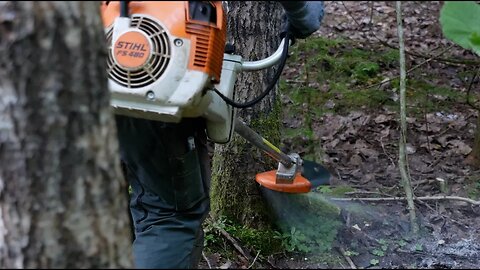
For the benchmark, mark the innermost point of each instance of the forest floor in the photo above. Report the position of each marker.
(341, 100)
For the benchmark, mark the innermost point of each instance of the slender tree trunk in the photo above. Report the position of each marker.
(402, 156)
(63, 199)
(474, 157)
(254, 28)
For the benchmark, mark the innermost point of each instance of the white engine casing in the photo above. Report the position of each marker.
(178, 92)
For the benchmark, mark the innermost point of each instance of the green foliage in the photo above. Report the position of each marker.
(334, 70)
(293, 240)
(460, 22)
(365, 70)
(351, 253)
(324, 189)
(335, 191)
(374, 262)
(378, 252)
(308, 223)
(211, 235)
(344, 67)
(384, 244)
(473, 186)
(259, 240)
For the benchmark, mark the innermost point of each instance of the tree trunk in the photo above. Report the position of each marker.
(402, 152)
(474, 157)
(254, 28)
(63, 199)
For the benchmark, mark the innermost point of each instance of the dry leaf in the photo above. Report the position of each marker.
(226, 265)
(460, 147)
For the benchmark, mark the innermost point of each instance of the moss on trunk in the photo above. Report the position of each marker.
(234, 192)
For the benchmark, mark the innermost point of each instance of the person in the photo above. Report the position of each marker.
(167, 166)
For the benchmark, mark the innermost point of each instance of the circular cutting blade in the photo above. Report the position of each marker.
(312, 176)
(268, 180)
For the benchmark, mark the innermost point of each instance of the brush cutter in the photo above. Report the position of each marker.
(168, 60)
(293, 174)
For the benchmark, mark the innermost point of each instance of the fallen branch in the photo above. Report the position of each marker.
(207, 260)
(295, 81)
(366, 192)
(347, 258)
(254, 260)
(235, 244)
(426, 198)
(439, 59)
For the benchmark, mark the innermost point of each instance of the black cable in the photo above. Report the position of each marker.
(272, 84)
(124, 9)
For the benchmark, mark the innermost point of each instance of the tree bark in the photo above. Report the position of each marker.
(63, 199)
(474, 157)
(253, 28)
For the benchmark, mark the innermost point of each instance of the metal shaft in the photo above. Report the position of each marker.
(254, 138)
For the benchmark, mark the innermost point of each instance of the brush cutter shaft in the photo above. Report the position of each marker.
(257, 140)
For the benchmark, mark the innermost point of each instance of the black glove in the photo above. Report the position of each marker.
(303, 17)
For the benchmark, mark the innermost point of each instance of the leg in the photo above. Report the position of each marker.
(170, 179)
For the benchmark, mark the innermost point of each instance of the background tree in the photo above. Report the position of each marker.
(63, 200)
(402, 144)
(235, 193)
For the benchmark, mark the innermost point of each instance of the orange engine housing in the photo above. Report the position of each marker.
(208, 38)
(166, 57)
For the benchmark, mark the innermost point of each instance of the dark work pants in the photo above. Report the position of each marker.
(168, 168)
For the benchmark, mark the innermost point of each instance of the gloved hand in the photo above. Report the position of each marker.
(304, 17)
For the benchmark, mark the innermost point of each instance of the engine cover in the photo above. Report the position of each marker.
(164, 57)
